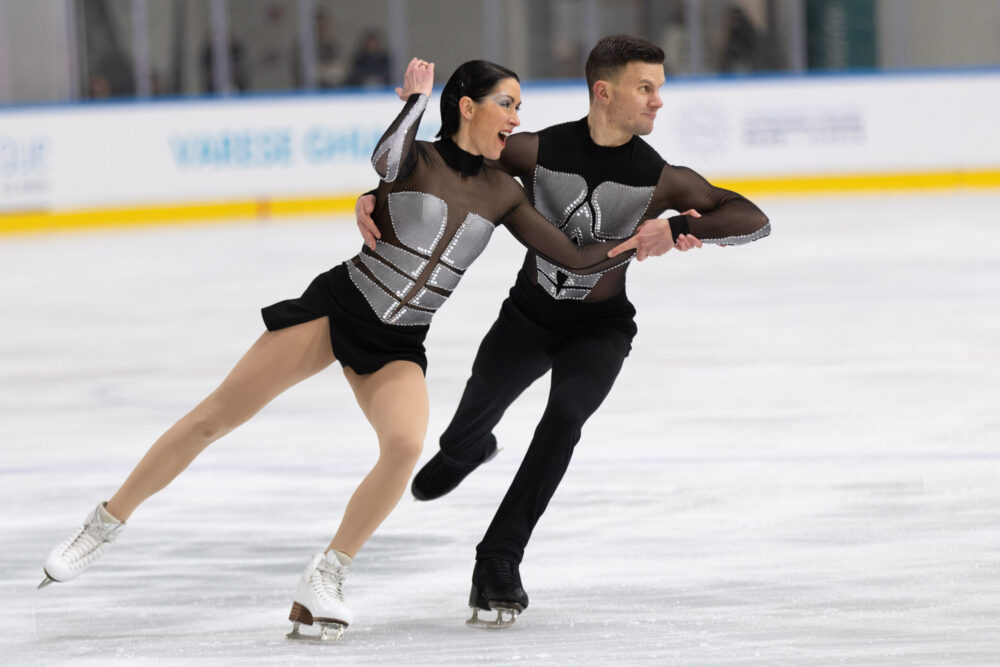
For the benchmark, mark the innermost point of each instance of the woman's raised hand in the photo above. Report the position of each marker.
(419, 78)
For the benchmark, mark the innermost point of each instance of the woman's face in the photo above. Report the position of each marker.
(494, 118)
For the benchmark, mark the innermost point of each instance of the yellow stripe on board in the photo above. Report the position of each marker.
(853, 183)
(44, 221)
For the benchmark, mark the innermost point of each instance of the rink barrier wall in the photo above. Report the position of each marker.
(165, 162)
(262, 209)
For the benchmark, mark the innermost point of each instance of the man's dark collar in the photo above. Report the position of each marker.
(583, 128)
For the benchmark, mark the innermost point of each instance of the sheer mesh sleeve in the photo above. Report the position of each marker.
(394, 155)
(727, 218)
(539, 235)
(519, 156)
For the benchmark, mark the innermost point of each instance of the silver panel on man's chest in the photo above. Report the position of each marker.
(558, 194)
(578, 227)
(563, 284)
(618, 209)
(612, 212)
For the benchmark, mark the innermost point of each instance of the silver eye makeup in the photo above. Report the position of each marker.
(504, 100)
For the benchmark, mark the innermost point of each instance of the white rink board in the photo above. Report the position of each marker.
(799, 464)
(194, 151)
(67, 158)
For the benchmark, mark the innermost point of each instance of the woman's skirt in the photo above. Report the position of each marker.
(359, 338)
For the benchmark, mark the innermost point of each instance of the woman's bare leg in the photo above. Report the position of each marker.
(394, 399)
(277, 361)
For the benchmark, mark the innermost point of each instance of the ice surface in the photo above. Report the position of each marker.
(799, 463)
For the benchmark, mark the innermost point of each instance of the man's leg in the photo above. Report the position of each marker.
(583, 372)
(510, 358)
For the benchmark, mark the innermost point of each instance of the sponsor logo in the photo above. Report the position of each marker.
(327, 144)
(24, 167)
(274, 148)
(803, 127)
(234, 149)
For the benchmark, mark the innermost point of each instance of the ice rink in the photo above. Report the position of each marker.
(799, 465)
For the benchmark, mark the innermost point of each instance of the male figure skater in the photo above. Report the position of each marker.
(595, 179)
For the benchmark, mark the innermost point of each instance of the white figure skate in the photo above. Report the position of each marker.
(319, 599)
(83, 547)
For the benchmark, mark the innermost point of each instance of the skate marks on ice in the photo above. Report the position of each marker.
(818, 482)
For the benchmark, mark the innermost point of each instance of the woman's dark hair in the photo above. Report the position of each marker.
(611, 55)
(473, 79)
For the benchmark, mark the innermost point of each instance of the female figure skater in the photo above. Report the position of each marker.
(436, 207)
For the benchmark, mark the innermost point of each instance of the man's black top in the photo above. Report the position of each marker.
(596, 193)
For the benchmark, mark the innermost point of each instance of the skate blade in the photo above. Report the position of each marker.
(505, 618)
(48, 580)
(329, 632)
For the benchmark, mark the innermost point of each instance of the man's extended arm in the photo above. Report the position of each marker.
(727, 218)
(654, 238)
(723, 217)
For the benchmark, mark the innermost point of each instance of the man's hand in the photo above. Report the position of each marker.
(363, 214)
(419, 78)
(686, 241)
(654, 238)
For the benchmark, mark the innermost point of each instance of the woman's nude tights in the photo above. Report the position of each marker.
(394, 399)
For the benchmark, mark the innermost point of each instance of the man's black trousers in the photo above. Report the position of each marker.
(584, 345)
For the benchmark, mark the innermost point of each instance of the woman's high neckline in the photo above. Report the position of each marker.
(464, 162)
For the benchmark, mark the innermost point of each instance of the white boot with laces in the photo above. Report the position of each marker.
(319, 597)
(83, 547)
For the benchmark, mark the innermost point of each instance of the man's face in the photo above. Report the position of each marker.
(635, 97)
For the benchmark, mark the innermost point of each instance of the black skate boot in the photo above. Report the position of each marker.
(496, 586)
(439, 477)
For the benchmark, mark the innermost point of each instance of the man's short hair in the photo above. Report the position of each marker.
(611, 54)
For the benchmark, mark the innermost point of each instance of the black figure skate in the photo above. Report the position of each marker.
(496, 586)
(439, 476)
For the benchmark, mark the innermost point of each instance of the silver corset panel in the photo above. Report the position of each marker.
(419, 221)
(428, 299)
(444, 278)
(468, 242)
(611, 212)
(388, 309)
(396, 282)
(400, 259)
